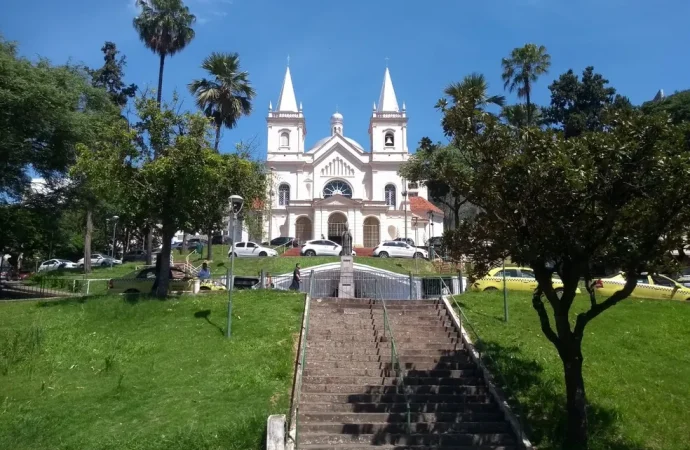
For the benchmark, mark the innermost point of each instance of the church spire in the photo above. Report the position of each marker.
(287, 101)
(387, 100)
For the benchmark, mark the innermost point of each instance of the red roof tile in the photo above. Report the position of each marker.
(421, 206)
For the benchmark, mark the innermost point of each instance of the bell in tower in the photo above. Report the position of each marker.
(389, 140)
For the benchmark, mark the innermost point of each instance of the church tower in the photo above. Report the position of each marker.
(286, 126)
(388, 124)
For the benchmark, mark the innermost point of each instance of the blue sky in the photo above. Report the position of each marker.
(338, 49)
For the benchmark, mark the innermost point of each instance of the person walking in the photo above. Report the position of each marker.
(296, 278)
(205, 272)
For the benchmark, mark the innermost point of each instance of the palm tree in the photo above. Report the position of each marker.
(228, 95)
(522, 69)
(516, 115)
(164, 26)
(472, 92)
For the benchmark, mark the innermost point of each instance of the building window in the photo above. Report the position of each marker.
(390, 195)
(284, 195)
(389, 139)
(337, 187)
(412, 185)
(284, 139)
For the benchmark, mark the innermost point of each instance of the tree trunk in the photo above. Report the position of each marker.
(456, 214)
(209, 244)
(125, 244)
(529, 103)
(87, 239)
(184, 242)
(576, 434)
(159, 94)
(215, 147)
(163, 274)
(149, 245)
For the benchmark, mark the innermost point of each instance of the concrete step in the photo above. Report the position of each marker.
(365, 347)
(408, 439)
(406, 447)
(401, 427)
(382, 369)
(321, 353)
(400, 408)
(468, 387)
(346, 417)
(399, 333)
(361, 302)
(423, 377)
(409, 360)
(392, 398)
(372, 339)
(369, 367)
(345, 328)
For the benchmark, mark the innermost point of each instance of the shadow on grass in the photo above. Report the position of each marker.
(204, 314)
(132, 299)
(542, 403)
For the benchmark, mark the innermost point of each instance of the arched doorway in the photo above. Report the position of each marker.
(337, 222)
(303, 229)
(371, 232)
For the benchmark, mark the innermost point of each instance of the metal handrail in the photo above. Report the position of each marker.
(302, 361)
(478, 345)
(395, 359)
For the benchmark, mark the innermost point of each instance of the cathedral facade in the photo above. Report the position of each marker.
(335, 184)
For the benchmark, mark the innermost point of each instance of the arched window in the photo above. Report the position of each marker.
(390, 195)
(337, 187)
(389, 139)
(284, 139)
(283, 195)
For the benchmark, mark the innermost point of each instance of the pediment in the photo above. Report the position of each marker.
(337, 200)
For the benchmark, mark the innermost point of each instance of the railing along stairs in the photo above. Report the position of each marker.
(190, 268)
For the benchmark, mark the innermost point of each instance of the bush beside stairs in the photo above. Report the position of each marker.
(350, 398)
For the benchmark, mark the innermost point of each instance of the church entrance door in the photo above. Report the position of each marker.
(371, 232)
(303, 229)
(337, 223)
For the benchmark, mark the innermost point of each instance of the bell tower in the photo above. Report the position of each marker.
(388, 124)
(286, 125)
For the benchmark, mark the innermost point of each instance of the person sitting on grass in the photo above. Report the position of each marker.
(205, 272)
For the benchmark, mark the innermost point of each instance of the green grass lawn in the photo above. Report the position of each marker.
(111, 374)
(636, 369)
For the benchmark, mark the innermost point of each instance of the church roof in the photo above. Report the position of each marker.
(387, 100)
(287, 101)
(421, 206)
(320, 142)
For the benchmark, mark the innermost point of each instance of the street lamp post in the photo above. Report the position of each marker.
(431, 231)
(404, 194)
(112, 251)
(236, 203)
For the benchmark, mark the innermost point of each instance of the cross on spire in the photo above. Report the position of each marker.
(387, 61)
(288, 60)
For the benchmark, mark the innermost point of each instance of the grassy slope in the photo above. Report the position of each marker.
(107, 374)
(637, 370)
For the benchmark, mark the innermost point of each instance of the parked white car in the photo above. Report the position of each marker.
(399, 249)
(98, 259)
(55, 264)
(322, 247)
(250, 249)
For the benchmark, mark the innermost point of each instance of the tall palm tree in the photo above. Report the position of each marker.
(516, 115)
(522, 69)
(228, 95)
(472, 91)
(165, 27)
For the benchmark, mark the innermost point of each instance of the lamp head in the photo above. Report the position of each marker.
(236, 203)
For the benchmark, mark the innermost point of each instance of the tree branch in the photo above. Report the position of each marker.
(598, 308)
(538, 305)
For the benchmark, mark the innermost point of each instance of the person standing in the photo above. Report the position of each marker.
(296, 278)
(205, 272)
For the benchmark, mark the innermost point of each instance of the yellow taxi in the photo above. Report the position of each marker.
(141, 281)
(650, 286)
(517, 279)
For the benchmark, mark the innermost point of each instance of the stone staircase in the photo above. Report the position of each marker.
(351, 398)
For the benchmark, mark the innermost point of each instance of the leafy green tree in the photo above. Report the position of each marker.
(516, 115)
(579, 105)
(522, 69)
(427, 166)
(47, 111)
(110, 76)
(227, 96)
(676, 105)
(564, 205)
(165, 27)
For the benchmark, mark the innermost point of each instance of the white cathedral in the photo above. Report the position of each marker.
(315, 193)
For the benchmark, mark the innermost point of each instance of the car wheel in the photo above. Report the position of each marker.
(490, 289)
(310, 253)
(131, 291)
(383, 255)
(263, 254)
(419, 255)
(104, 264)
